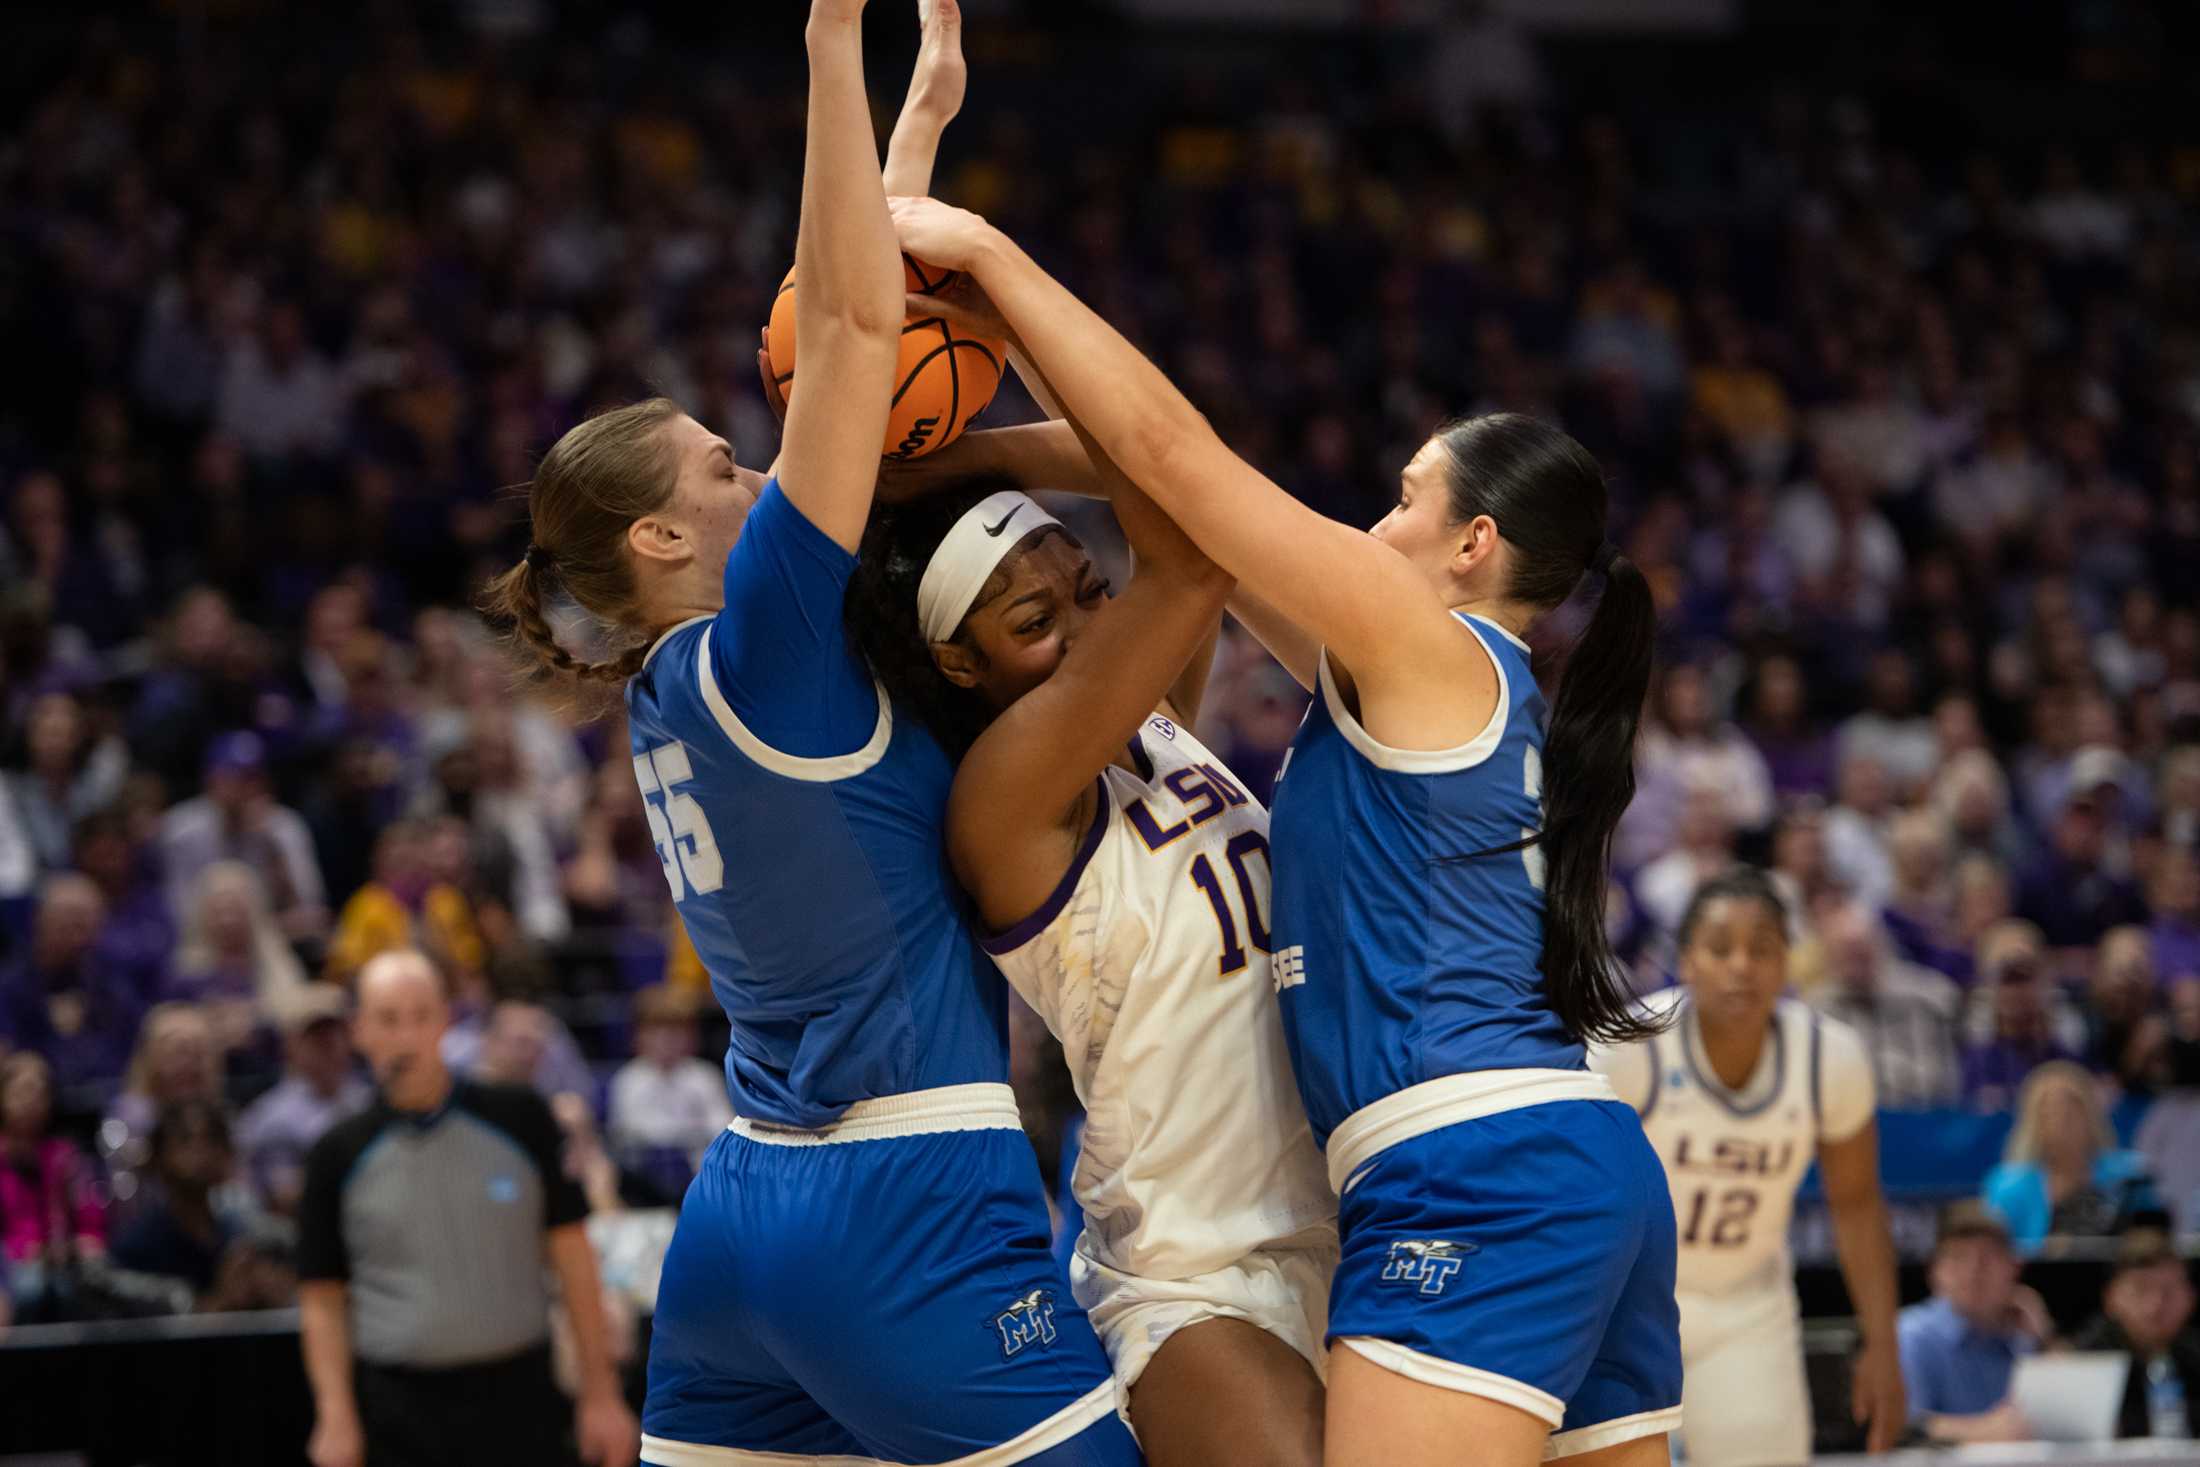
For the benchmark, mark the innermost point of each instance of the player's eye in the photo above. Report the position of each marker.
(1093, 592)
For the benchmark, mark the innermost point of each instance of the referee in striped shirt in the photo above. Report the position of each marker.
(423, 1233)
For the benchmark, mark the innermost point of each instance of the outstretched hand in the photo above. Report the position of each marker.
(965, 306)
(938, 233)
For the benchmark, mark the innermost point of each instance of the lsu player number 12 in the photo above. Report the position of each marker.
(1740, 1095)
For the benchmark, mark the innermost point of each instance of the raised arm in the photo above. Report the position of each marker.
(1359, 597)
(1027, 774)
(848, 312)
(935, 96)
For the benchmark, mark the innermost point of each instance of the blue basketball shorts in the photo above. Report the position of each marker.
(1524, 1253)
(880, 1291)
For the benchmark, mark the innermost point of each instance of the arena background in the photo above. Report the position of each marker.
(1882, 323)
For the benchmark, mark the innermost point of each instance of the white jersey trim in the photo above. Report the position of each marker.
(1435, 1104)
(1425, 761)
(669, 633)
(1451, 1376)
(1064, 1425)
(792, 766)
(980, 1107)
(1661, 1422)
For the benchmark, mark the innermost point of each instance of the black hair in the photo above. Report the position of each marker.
(880, 612)
(1547, 495)
(1740, 883)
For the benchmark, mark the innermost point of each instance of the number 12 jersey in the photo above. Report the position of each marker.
(1735, 1157)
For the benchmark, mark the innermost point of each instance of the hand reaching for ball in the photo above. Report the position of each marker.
(940, 233)
(964, 305)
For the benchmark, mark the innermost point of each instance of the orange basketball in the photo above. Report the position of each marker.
(941, 383)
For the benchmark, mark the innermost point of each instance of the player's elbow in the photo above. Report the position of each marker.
(853, 316)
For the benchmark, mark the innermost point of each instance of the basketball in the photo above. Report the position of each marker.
(941, 382)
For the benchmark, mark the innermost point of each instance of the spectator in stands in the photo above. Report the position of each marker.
(320, 1086)
(1972, 795)
(2020, 1022)
(139, 934)
(50, 1208)
(279, 396)
(2146, 1313)
(1704, 847)
(176, 1059)
(1920, 912)
(1799, 866)
(1891, 732)
(234, 962)
(1686, 749)
(1856, 830)
(666, 1104)
(519, 1042)
(1798, 756)
(479, 782)
(62, 1000)
(2122, 1000)
(2063, 1175)
(1906, 1014)
(237, 819)
(2173, 893)
(2069, 891)
(1960, 1347)
(69, 773)
(181, 1231)
(405, 905)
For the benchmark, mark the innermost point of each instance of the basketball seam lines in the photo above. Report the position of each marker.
(954, 378)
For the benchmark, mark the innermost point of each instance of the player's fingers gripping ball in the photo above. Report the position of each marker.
(942, 381)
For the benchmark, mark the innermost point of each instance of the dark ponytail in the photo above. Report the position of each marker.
(1546, 494)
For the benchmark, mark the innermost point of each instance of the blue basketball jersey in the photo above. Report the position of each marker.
(1397, 965)
(798, 816)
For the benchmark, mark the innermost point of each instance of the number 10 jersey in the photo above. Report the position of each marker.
(1150, 962)
(1735, 1157)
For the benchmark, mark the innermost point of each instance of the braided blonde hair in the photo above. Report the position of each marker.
(602, 476)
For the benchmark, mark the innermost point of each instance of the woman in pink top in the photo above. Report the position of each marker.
(49, 1200)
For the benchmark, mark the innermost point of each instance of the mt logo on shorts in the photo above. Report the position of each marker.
(1029, 1321)
(1429, 1262)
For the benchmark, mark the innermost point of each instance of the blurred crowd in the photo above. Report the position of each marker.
(1908, 440)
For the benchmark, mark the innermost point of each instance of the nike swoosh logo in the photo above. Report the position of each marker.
(995, 530)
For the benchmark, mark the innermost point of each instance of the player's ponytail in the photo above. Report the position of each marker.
(603, 475)
(1546, 494)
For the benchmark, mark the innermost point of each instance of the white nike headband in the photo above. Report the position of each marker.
(969, 555)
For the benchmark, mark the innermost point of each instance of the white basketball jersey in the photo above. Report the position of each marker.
(1735, 1157)
(1150, 963)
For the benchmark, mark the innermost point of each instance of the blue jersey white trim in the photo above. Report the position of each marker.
(1422, 761)
(793, 766)
(800, 825)
(1408, 918)
(1446, 1102)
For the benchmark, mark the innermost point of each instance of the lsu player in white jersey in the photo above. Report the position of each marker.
(1122, 875)
(1740, 1095)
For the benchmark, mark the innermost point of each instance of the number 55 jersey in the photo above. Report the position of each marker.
(1202, 1191)
(1735, 1157)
